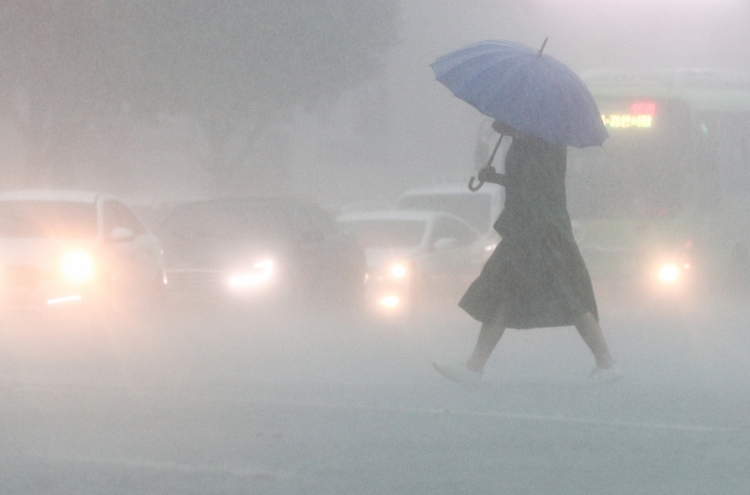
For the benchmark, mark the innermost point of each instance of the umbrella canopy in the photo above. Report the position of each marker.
(530, 91)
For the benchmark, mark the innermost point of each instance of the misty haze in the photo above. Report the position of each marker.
(234, 237)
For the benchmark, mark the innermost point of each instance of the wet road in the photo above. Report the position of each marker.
(196, 405)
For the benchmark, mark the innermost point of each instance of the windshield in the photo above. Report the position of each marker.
(386, 234)
(58, 219)
(476, 209)
(231, 220)
(640, 170)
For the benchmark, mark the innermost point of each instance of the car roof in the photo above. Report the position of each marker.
(415, 215)
(51, 195)
(248, 200)
(450, 189)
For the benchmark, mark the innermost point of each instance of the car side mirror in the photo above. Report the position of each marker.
(445, 243)
(121, 234)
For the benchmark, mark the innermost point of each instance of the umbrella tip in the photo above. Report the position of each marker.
(542, 48)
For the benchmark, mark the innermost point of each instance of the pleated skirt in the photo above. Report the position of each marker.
(538, 281)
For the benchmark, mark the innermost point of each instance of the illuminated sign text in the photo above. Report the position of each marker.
(641, 115)
(616, 120)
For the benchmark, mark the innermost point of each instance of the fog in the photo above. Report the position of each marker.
(392, 127)
(421, 134)
(336, 102)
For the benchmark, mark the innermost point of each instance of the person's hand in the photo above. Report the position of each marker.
(489, 174)
(486, 174)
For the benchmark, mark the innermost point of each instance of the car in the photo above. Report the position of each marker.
(256, 252)
(64, 249)
(479, 208)
(416, 258)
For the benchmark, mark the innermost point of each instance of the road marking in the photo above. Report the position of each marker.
(511, 416)
(489, 413)
(173, 467)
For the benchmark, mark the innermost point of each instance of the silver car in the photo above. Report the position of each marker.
(479, 208)
(416, 258)
(70, 249)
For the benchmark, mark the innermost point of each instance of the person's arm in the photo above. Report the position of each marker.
(489, 174)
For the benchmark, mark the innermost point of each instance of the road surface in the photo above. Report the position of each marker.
(230, 405)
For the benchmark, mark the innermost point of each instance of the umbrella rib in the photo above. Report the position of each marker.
(524, 88)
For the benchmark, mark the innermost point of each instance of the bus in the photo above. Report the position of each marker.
(664, 204)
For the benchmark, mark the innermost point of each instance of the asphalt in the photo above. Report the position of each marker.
(198, 403)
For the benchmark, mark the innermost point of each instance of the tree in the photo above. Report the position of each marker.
(237, 66)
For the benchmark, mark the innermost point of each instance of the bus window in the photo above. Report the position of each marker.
(707, 189)
(641, 170)
(732, 144)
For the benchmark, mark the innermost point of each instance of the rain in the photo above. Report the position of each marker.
(175, 161)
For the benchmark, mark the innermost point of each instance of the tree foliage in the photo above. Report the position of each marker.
(67, 63)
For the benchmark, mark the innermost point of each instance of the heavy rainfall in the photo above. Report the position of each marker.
(234, 237)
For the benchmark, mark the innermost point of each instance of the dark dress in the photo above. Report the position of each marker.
(536, 273)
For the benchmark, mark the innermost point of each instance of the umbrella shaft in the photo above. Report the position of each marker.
(473, 188)
(494, 152)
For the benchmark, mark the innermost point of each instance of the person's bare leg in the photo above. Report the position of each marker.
(591, 332)
(489, 336)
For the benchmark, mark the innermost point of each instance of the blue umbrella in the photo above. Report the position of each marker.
(526, 89)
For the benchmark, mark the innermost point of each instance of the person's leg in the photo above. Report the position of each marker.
(471, 372)
(588, 327)
(489, 336)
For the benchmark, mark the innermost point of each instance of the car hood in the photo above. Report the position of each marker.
(39, 252)
(377, 258)
(210, 253)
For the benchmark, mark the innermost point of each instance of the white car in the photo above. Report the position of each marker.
(479, 208)
(416, 258)
(74, 249)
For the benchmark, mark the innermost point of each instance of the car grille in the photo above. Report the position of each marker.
(195, 280)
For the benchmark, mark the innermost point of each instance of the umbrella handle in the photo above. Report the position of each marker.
(471, 185)
(489, 162)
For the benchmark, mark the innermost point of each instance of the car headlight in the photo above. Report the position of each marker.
(394, 272)
(260, 274)
(669, 273)
(398, 270)
(78, 266)
(389, 301)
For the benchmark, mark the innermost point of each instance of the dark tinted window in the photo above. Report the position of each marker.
(386, 233)
(728, 138)
(118, 215)
(65, 219)
(232, 219)
(452, 229)
(313, 218)
(641, 170)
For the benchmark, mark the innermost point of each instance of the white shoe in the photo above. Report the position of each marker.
(606, 375)
(458, 373)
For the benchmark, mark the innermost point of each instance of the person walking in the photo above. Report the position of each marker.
(536, 277)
